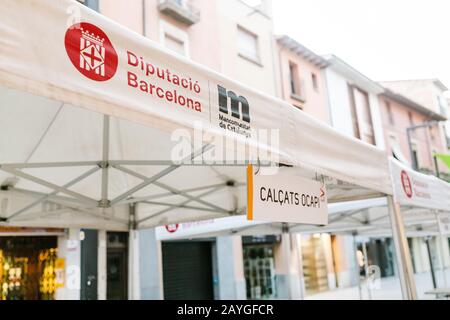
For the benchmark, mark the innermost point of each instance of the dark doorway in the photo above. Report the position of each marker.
(89, 254)
(380, 253)
(117, 266)
(187, 270)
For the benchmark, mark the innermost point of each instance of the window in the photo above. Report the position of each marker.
(248, 45)
(259, 271)
(397, 150)
(410, 117)
(314, 82)
(362, 116)
(174, 44)
(442, 106)
(389, 113)
(294, 78)
(93, 4)
(432, 131)
(411, 123)
(415, 155)
(174, 39)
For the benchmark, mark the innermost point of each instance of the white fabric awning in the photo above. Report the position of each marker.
(86, 128)
(424, 200)
(368, 218)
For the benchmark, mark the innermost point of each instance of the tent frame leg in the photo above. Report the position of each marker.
(403, 256)
(104, 202)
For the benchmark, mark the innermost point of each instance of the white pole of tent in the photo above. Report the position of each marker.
(102, 264)
(298, 239)
(104, 163)
(406, 274)
(133, 257)
(442, 252)
(366, 269)
(441, 249)
(355, 253)
(286, 249)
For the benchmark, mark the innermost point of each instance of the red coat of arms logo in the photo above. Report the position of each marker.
(91, 52)
(172, 227)
(406, 183)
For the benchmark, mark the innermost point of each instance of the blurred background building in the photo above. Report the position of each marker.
(236, 38)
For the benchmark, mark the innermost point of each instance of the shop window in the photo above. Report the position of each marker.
(27, 268)
(314, 264)
(259, 271)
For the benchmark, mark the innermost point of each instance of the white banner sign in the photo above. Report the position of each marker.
(285, 197)
(418, 189)
(183, 230)
(79, 57)
(444, 223)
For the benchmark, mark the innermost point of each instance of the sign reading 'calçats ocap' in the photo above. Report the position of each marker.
(285, 197)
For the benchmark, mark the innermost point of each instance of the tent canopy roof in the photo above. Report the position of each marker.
(81, 152)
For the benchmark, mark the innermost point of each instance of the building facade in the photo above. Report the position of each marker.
(428, 93)
(236, 38)
(400, 113)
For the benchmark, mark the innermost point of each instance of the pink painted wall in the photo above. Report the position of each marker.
(316, 101)
(398, 128)
(203, 40)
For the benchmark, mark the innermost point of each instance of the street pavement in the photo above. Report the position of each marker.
(389, 289)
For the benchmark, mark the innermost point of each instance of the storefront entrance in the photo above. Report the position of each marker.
(259, 267)
(27, 268)
(117, 266)
(380, 252)
(187, 270)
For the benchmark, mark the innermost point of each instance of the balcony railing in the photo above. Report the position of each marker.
(181, 10)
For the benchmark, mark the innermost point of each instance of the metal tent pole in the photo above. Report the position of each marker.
(366, 269)
(357, 267)
(406, 274)
(441, 248)
(430, 259)
(104, 202)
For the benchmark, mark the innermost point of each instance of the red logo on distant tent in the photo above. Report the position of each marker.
(406, 183)
(91, 52)
(172, 227)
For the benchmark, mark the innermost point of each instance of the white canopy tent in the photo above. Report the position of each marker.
(94, 147)
(424, 203)
(88, 118)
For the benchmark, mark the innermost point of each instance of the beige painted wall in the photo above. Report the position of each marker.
(212, 40)
(315, 100)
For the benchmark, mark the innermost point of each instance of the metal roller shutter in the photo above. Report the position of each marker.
(187, 270)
